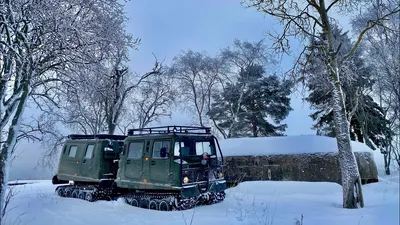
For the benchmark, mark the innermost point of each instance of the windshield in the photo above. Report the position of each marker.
(193, 147)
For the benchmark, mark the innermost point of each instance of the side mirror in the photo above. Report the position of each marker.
(163, 152)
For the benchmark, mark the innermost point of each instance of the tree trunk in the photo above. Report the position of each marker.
(348, 164)
(254, 129)
(6, 148)
(387, 157)
(111, 127)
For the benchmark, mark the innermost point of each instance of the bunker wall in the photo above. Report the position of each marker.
(314, 167)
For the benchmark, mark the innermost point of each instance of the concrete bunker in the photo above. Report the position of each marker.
(291, 158)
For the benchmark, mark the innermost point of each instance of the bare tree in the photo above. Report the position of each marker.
(304, 19)
(121, 89)
(152, 100)
(156, 96)
(39, 42)
(11, 193)
(192, 71)
(380, 41)
(95, 102)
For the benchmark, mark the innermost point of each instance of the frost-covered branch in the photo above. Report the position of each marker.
(371, 24)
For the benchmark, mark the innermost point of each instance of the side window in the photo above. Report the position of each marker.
(135, 150)
(161, 147)
(203, 147)
(72, 151)
(176, 149)
(89, 151)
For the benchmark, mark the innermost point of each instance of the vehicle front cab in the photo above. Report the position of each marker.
(201, 170)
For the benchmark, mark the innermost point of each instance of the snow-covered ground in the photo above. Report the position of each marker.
(264, 202)
(261, 202)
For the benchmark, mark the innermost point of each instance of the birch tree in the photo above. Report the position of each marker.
(39, 42)
(368, 124)
(382, 53)
(303, 19)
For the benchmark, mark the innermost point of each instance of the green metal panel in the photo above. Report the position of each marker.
(146, 167)
(133, 162)
(70, 160)
(76, 165)
(155, 172)
(88, 159)
(160, 167)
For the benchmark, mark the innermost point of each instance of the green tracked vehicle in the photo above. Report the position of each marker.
(160, 168)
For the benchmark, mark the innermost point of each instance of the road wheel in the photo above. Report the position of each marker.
(144, 203)
(75, 194)
(153, 205)
(68, 193)
(164, 206)
(89, 197)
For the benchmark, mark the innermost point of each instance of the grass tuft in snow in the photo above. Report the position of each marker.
(191, 218)
(245, 208)
(299, 222)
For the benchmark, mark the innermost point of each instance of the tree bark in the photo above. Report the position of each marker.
(387, 158)
(348, 163)
(111, 126)
(254, 129)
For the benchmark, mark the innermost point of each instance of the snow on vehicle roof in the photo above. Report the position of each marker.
(284, 145)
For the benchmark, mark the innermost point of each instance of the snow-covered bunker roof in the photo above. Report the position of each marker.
(284, 145)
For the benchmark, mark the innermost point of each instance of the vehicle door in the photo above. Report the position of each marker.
(70, 160)
(160, 162)
(87, 160)
(134, 164)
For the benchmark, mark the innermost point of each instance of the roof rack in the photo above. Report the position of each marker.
(96, 136)
(170, 130)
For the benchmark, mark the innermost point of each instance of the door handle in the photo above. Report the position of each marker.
(153, 163)
(84, 160)
(128, 161)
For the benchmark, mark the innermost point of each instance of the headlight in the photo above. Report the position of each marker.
(185, 180)
(219, 173)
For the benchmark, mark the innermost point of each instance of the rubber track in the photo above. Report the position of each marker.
(156, 201)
